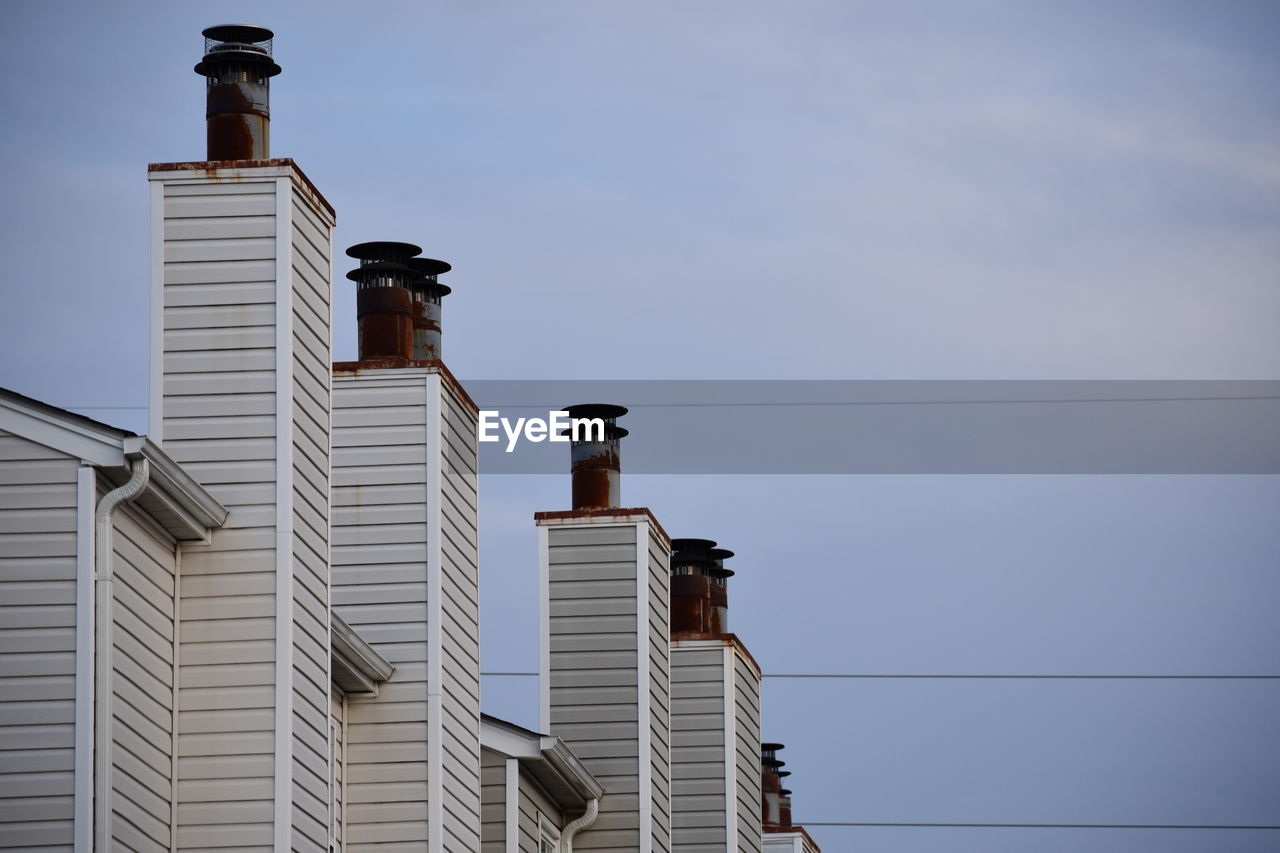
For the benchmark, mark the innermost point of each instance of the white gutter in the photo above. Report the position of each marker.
(104, 595)
(588, 818)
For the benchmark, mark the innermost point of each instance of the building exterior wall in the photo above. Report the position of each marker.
(605, 665)
(240, 399)
(38, 593)
(337, 768)
(715, 753)
(699, 782)
(145, 568)
(746, 737)
(534, 809)
(405, 577)
(493, 802)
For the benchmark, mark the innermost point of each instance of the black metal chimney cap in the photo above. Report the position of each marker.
(686, 544)
(244, 33)
(374, 269)
(238, 43)
(771, 747)
(430, 266)
(381, 250)
(604, 411)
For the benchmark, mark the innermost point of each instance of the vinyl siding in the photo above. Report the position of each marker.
(660, 687)
(493, 802)
(460, 623)
(337, 768)
(705, 796)
(143, 636)
(594, 581)
(38, 497)
(746, 685)
(310, 413)
(699, 820)
(231, 402)
(534, 802)
(379, 576)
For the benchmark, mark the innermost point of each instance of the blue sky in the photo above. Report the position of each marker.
(846, 190)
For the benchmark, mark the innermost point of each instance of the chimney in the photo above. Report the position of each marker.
(699, 592)
(238, 65)
(596, 465)
(691, 572)
(771, 785)
(427, 293)
(718, 612)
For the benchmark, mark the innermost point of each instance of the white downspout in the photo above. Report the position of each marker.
(588, 818)
(103, 664)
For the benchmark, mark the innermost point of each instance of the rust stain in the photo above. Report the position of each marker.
(689, 604)
(728, 639)
(606, 512)
(208, 166)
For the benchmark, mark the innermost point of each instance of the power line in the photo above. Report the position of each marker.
(808, 823)
(811, 403)
(1153, 677)
(841, 403)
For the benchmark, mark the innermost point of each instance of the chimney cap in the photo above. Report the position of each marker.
(686, 544)
(380, 250)
(429, 266)
(427, 269)
(373, 269)
(236, 43)
(605, 411)
(243, 33)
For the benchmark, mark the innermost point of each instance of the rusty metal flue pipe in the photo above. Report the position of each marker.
(771, 784)
(427, 293)
(384, 302)
(238, 66)
(596, 464)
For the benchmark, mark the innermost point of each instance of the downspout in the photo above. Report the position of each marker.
(588, 818)
(103, 664)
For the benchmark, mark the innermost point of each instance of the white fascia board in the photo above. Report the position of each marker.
(361, 657)
(178, 490)
(508, 742)
(97, 445)
(563, 760)
(195, 511)
(548, 753)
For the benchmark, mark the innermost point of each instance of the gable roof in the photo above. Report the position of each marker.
(172, 497)
(546, 758)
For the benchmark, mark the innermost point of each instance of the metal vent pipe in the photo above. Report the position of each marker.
(692, 568)
(238, 66)
(771, 784)
(596, 462)
(427, 293)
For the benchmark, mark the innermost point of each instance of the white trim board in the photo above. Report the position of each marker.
(435, 630)
(86, 504)
(544, 629)
(644, 698)
(283, 793)
(511, 819)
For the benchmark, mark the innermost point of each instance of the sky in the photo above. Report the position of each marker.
(810, 190)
